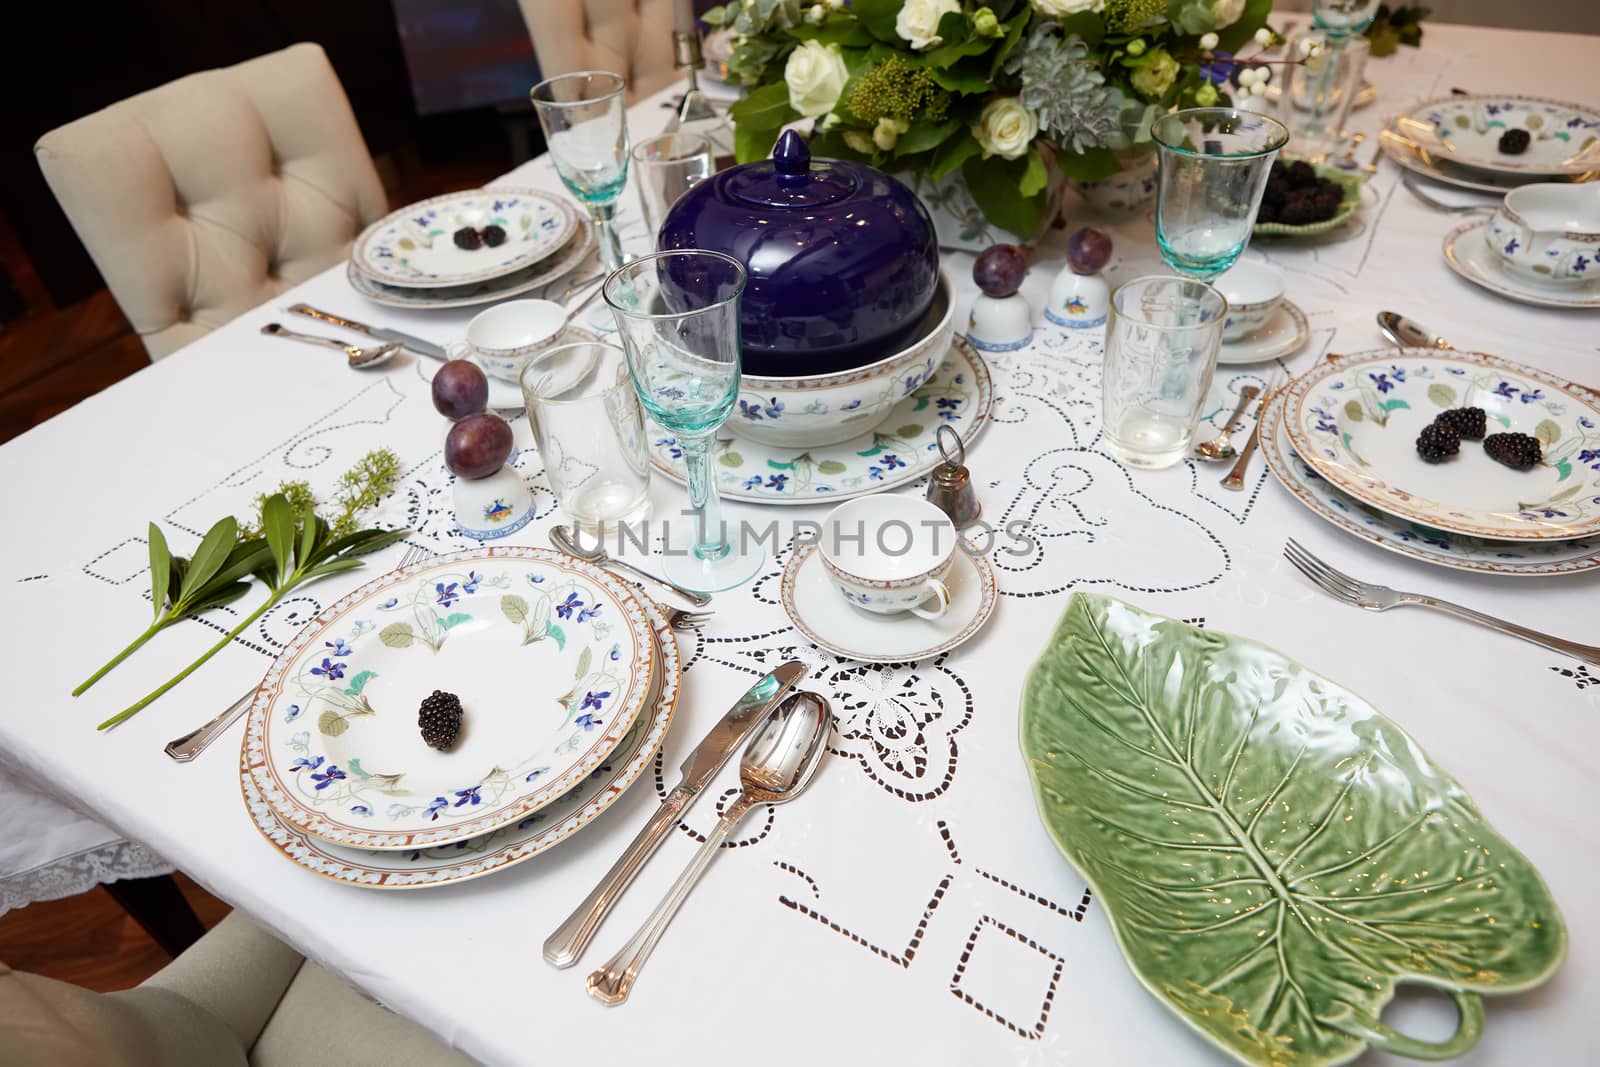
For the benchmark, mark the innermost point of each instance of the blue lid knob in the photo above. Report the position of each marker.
(790, 157)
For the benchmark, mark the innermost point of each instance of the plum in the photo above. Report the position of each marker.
(999, 270)
(1088, 251)
(460, 389)
(477, 446)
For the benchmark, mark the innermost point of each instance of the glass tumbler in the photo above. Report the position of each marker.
(1161, 350)
(1318, 93)
(1214, 163)
(666, 167)
(590, 431)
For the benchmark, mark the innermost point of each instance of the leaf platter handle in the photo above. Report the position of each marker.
(1375, 1033)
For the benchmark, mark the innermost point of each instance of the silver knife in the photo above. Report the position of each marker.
(416, 344)
(563, 947)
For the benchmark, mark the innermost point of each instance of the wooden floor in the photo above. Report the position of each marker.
(50, 359)
(90, 941)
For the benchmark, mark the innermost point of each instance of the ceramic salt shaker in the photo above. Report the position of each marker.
(1079, 298)
(1001, 320)
(487, 508)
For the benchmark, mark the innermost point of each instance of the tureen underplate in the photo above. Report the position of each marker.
(1470, 256)
(902, 449)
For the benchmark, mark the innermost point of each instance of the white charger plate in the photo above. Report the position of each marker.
(551, 657)
(414, 247)
(506, 847)
(1284, 333)
(1469, 256)
(1419, 542)
(813, 603)
(1355, 419)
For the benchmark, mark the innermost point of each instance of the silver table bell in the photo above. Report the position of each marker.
(950, 484)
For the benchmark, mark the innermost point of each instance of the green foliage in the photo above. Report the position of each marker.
(896, 89)
(996, 184)
(1391, 29)
(362, 487)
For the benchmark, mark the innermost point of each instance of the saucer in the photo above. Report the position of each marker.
(1469, 256)
(1284, 333)
(813, 604)
(507, 396)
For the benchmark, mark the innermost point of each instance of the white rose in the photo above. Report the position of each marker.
(918, 21)
(815, 75)
(1227, 12)
(1005, 128)
(1062, 8)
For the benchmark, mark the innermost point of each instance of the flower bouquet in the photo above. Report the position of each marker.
(991, 95)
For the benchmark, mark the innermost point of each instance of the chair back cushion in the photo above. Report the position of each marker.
(632, 38)
(202, 198)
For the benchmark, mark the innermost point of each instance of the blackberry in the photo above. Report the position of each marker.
(1514, 142)
(1437, 442)
(467, 238)
(1516, 450)
(440, 719)
(1470, 423)
(494, 236)
(1300, 175)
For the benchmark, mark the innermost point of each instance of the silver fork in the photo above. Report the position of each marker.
(1439, 205)
(185, 748)
(1341, 586)
(678, 619)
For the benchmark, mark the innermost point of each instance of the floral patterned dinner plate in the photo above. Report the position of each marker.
(901, 450)
(1355, 419)
(559, 264)
(415, 247)
(550, 656)
(1521, 559)
(464, 860)
(1563, 138)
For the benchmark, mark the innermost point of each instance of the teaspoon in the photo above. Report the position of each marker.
(567, 541)
(358, 357)
(1221, 447)
(777, 765)
(1409, 333)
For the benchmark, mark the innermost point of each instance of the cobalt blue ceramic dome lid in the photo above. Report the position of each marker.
(842, 258)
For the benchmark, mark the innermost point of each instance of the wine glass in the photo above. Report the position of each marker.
(1214, 166)
(585, 120)
(1343, 18)
(678, 316)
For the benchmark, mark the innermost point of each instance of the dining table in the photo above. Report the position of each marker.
(911, 907)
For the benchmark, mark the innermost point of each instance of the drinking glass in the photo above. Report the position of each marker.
(1161, 349)
(590, 432)
(585, 120)
(666, 167)
(1343, 19)
(678, 315)
(1213, 167)
(1318, 93)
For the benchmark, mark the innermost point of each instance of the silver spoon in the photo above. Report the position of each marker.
(562, 538)
(359, 357)
(1409, 333)
(776, 767)
(1221, 447)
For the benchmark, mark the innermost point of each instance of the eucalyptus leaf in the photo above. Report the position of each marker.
(160, 569)
(212, 553)
(277, 522)
(1273, 854)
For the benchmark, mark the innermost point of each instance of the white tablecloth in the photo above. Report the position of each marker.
(910, 908)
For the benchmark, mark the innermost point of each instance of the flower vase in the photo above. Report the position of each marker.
(960, 222)
(1126, 191)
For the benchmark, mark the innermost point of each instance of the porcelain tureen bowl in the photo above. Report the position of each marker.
(1549, 232)
(843, 260)
(824, 409)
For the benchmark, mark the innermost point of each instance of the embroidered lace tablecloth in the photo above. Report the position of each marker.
(910, 908)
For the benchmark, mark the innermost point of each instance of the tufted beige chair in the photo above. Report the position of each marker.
(202, 198)
(632, 38)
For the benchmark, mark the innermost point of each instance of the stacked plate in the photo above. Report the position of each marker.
(1342, 439)
(567, 677)
(412, 258)
(1456, 140)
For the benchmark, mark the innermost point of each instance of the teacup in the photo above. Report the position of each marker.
(1253, 290)
(888, 554)
(504, 338)
(1549, 232)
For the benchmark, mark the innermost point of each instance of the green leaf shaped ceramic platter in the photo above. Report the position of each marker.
(415, 246)
(1356, 419)
(552, 824)
(959, 393)
(1273, 854)
(551, 659)
(1351, 185)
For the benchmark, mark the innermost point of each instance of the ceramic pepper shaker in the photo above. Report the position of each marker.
(1080, 299)
(1001, 320)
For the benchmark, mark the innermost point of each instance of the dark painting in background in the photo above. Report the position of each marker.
(465, 55)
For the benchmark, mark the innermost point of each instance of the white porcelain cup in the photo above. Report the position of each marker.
(1253, 290)
(1549, 232)
(888, 554)
(504, 338)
